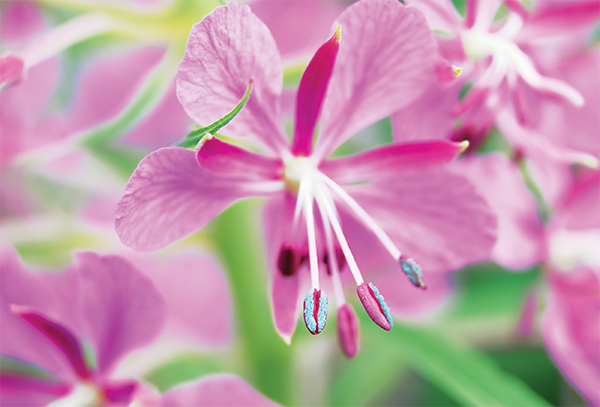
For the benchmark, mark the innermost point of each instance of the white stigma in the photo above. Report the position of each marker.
(82, 395)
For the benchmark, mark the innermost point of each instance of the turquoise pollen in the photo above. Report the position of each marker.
(412, 271)
(384, 307)
(315, 323)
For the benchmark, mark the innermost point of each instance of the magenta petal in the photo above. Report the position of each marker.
(223, 390)
(433, 216)
(60, 336)
(387, 56)
(226, 50)
(440, 15)
(390, 161)
(28, 391)
(119, 308)
(310, 95)
(169, 196)
(119, 392)
(286, 291)
(224, 159)
(11, 68)
(520, 232)
(560, 21)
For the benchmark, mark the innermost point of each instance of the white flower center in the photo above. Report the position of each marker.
(572, 249)
(298, 168)
(82, 395)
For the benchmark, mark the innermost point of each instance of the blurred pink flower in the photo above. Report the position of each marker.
(571, 322)
(396, 195)
(222, 390)
(47, 321)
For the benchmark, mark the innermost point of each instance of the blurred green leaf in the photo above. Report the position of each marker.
(470, 377)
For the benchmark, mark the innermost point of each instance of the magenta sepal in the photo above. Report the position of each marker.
(347, 325)
(311, 93)
(59, 335)
(376, 308)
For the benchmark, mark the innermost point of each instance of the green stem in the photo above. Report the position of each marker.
(236, 235)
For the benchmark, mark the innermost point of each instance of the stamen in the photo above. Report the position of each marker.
(375, 305)
(310, 232)
(323, 200)
(315, 311)
(413, 271)
(364, 217)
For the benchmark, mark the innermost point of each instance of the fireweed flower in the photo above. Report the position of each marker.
(48, 321)
(571, 322)
(378, 60)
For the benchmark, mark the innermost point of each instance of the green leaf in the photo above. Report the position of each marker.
(194, 137)
(470, 377)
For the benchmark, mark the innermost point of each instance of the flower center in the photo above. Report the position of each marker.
(296, 169)
(83, 395)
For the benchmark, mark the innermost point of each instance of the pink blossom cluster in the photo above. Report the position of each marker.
(384, 227)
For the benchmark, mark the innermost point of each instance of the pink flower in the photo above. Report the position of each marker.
(394, 196)
(47, 321)
(571, 322)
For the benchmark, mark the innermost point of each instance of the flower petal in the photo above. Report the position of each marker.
(560, 21)
(433, 216)
(310, 94)
(223, 390)
(520, 232)
(441, 15)
(119, 308)
(11, 68)
(390, 161)
(226, 50)
(286, 290)
(386, 58)
(226, 160)
(169, 196)
(28, 391)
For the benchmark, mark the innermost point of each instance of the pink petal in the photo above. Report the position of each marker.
(310, 95)
(221, 390)
(580, 209)
(390, 161)
(20, 21)
(298, 26)
(28, 391)
(386, 58)
(42, 291)
(108, 84)
(226, 50)
(433, 216)
(408, 302)
(427, 118)
(169, 197)
(560, 21)
(571, 329)
(61, 337)
(119, 308)
(286, 291)
(520, 232)
(226, 160)
(440, 15)
(196, 295)
(166, 124)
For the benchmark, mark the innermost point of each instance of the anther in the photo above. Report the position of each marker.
(412, 271)
(347, 326)
(315, 311)
(375, 305)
